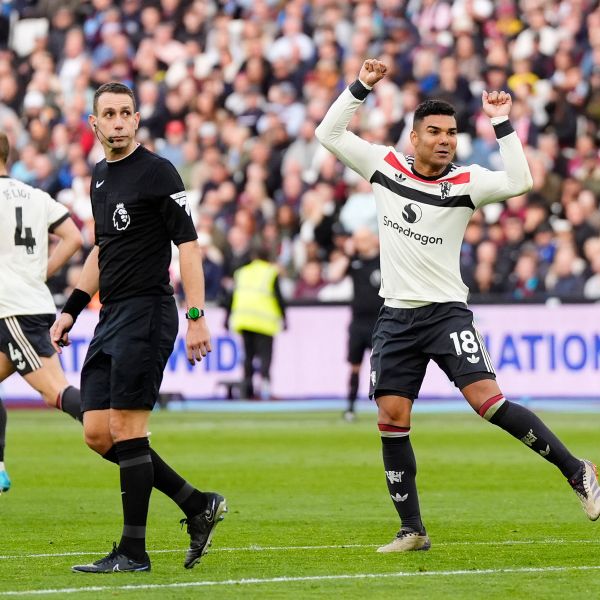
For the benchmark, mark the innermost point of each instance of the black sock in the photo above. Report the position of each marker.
(521, 423)
(191, 500)
(3, 418)
(400, 474)
(353, 391)
(69, 401)
(137, 475)
(111, 455)
(184, 494)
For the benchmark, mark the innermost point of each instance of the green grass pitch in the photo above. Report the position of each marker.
(307, 508)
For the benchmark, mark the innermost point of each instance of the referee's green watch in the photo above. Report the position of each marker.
(194, 313)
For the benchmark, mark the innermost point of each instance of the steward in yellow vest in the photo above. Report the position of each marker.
(257, 313)
(254, 306)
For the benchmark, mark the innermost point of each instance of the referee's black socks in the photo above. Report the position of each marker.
(191, 500)
(527, 427)
(400, 474)
(137, 478)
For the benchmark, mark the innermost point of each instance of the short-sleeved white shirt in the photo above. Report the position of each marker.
(27, 216)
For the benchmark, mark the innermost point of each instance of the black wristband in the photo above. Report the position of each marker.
(358, 90)
(503, 129)
(76, 302)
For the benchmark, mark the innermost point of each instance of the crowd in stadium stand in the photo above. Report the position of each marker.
(231, 91)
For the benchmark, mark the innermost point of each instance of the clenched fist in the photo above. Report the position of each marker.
(496, 104)
(372, 71)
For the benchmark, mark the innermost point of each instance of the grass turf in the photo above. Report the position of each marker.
(308, 507)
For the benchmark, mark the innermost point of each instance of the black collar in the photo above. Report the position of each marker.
(443, 174)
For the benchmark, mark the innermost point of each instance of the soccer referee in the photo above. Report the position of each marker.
(424, 203)
(139, 207)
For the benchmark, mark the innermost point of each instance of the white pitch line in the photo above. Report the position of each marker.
(256, 548)
(257, 581)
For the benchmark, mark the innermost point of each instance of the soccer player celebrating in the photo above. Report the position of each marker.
(139, 207)
(26, 307)
(424, 203)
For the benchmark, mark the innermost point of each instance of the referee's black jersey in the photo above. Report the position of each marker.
(139, 206)
(366, 278)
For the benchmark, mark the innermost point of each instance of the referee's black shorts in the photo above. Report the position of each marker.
(405, 340)
(124, 364)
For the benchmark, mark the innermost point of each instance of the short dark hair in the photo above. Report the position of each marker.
(262, 253)
(433, 107)
(4, 147)
(112, 87)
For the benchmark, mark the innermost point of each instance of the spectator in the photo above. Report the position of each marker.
(302, 152)
(172, 147)
(591, 289)
(581, 229)
(508, 253)
(237, 253)
(525, 283)
(564, 278)
(250, 80)
(212, 266)
(152, 113)
(310, 282)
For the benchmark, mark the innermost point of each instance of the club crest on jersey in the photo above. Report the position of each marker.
(445, 189)
(121, 218)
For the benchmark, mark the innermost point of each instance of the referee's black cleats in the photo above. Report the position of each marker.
(115, 562)
(202, 527)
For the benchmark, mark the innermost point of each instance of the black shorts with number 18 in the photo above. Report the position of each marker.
(405, 340)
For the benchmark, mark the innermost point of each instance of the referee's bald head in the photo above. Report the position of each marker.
(112, 87)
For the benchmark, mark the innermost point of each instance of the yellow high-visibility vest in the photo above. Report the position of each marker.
(254, 306)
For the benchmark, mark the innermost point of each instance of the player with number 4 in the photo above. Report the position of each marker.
(424, 203)
(27, 309)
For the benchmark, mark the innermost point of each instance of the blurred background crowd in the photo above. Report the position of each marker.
(230, 91)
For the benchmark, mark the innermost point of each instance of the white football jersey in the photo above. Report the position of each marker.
(421, 221)
(27, 216)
